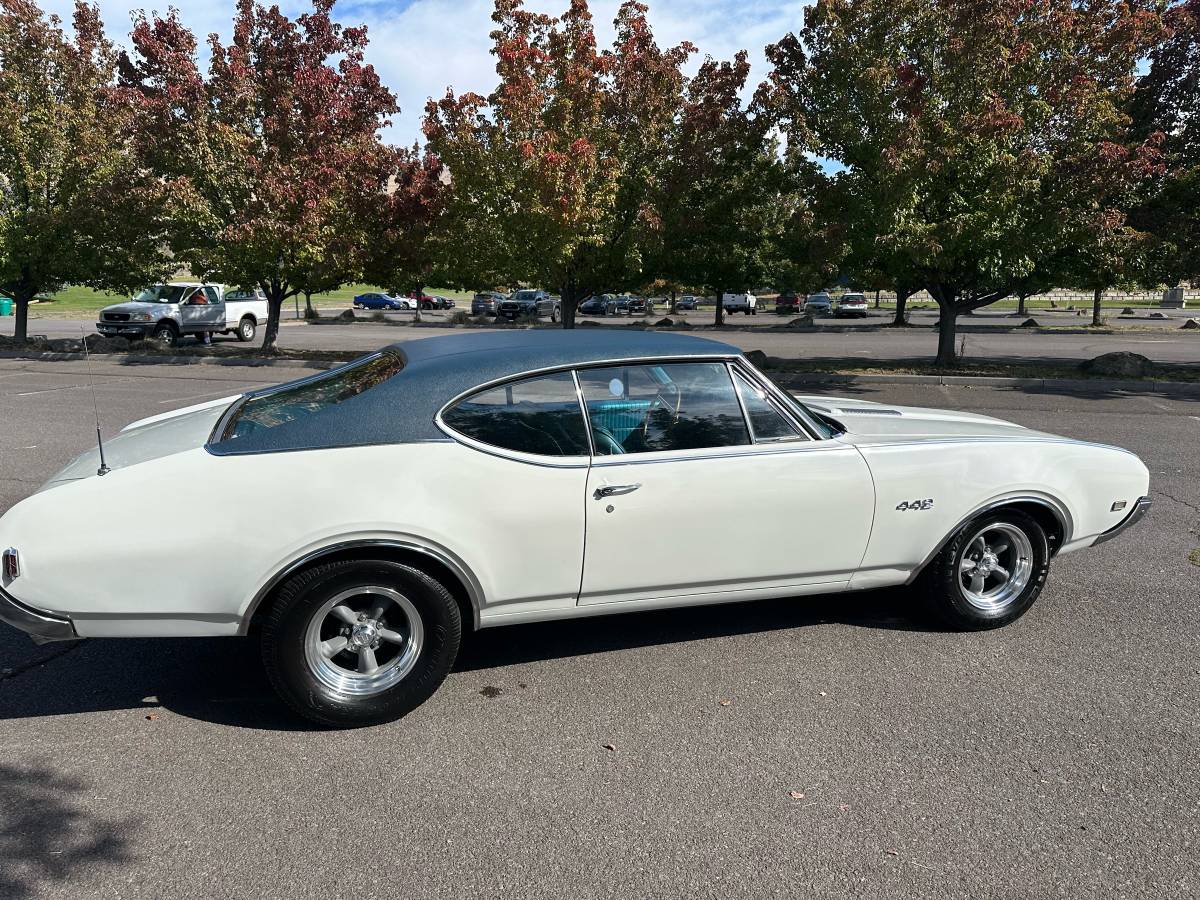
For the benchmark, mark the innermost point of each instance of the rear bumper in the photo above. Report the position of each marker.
(43, 627)
(1139, 509)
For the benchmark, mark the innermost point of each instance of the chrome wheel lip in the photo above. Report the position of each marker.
(343, 676)
(1005, 572)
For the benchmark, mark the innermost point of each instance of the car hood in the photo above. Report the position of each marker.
(147, 439)
(133, 306)
(866, 421)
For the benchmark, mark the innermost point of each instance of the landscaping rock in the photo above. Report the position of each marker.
(1191, 323)
(801, 322)
(664, 323)
(757, 357)
(347, 315)
(66, 345)
(98, 343)
(1030, 323)
(1158, 315)
(1127, 311)
(1121, 364)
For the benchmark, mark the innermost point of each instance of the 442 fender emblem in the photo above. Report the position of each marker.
(915, 504)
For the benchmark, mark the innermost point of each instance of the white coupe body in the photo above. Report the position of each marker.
(876, 492)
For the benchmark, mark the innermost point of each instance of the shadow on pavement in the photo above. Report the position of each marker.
(47, 834)
(220, 680)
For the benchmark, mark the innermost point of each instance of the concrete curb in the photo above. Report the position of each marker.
(1081, 385)
(176, 360)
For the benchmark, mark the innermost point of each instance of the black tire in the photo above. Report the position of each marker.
(284, 635)
(554, 314)
(246, 330)
(941, 582)
(164, 333)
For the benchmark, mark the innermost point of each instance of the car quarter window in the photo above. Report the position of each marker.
(767, 422)
(672, 406)
(536, 415)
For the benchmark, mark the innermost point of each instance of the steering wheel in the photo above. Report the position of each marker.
(661, 401)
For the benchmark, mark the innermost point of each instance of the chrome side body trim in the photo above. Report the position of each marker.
(1060, 513)
(1139, 509)
(43, 627)
(458, 568)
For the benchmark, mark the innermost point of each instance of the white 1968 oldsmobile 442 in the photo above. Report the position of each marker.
(363, 540)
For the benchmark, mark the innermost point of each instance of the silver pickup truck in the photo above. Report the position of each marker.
(168, 312)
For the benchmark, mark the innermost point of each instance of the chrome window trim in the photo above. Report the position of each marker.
(801, 434)
(574, 368)
(788, 405)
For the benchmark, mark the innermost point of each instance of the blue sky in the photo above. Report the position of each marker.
(420, 47)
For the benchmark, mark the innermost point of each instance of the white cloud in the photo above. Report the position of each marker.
(420, 47)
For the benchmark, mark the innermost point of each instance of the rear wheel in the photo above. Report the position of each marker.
(246, 329)
(989, 573)
(359, 643)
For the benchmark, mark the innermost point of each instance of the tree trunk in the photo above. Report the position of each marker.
(902, 296)
(570, 302)
(719, 315)
(309, 312)
(672, 311)
(420, 292)
(275, 296)
(21, 325)
(947, 327)
(877, 298)
(1021, 304)
(1096, 295)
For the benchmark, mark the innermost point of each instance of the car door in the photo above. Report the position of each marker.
(700, 484)
(203, 310)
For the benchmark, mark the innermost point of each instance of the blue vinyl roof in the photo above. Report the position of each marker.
(402, 409)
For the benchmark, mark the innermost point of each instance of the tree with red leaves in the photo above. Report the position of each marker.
(74, 206)
(1167, 103)
(964, 127)
(279, 143)
(551, 174)
(408, 231)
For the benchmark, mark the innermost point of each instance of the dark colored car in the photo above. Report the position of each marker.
(787, 302)
(688, 301)
(429, 301)
(485, 302)
(595, 306)
(381, 301)
(530, 302)
(638, 306)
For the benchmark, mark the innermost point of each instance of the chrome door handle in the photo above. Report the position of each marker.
(614, 490)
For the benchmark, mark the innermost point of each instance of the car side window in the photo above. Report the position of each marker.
(674, 406)
(767, 422)
(212, 295)
(537, 415)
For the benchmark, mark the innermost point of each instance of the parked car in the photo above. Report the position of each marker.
(168, 312)
(429, 301)
(611, 454)
(787, 302)
(851, 305)
(485, 302)
(376, 300)
(530, 302)
(743, 303)
(639, 306)
(819, 304)
(687, 301)
(596, 305)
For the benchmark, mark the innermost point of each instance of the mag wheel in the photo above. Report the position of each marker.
(360, 642)
(989, 573)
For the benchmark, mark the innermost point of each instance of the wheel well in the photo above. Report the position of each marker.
(430, 565)
(249, 316)
(170, 323)
(1045, 517)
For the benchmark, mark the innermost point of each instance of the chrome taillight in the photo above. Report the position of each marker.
(12, 564)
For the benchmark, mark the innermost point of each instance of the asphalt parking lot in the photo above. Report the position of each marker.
(988, 336)
(812, 748)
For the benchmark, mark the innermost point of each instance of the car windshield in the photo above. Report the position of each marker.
(310, 396)
(164, 293)
(525, 295)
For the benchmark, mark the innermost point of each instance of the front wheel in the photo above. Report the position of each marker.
(357, 643)
(165, 334)
(989, 573)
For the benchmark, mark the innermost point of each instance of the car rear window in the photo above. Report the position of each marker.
(263, 411)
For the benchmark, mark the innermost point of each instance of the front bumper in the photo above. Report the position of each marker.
(43, 627)
(136, 328)
(1139, 509)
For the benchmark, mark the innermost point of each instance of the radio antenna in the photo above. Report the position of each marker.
(104, 469)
